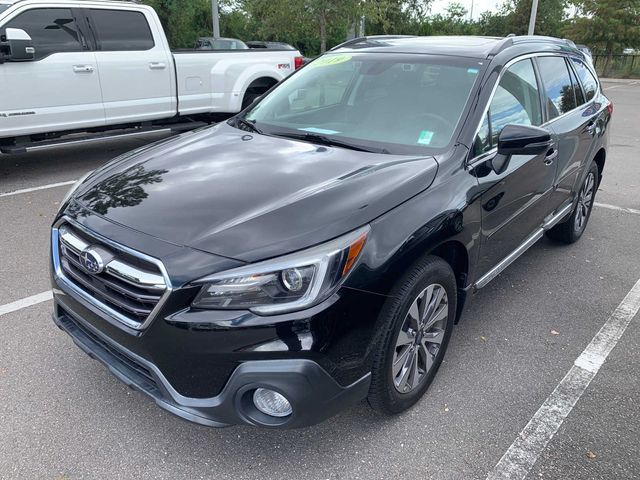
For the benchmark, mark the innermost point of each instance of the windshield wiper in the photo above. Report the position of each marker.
(247, 125)
(329, 141)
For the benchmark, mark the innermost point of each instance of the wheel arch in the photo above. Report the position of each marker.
(259, 86)
(451, 250)
(600, 159)
(456, 255)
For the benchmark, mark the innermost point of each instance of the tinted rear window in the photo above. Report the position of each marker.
(119, 30)
(558, 85)
(589, 82)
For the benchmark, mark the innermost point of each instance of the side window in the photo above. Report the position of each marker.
(515, 101)
(576, 88)
(558, 86)
(120, 30)
(482, 143)
(53, 30)
(589, 83)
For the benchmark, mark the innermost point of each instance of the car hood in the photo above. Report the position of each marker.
(250, 196)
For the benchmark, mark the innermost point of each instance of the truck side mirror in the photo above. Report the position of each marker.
(20, 46)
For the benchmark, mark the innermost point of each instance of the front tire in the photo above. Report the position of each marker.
(572, 229)
(416, 324)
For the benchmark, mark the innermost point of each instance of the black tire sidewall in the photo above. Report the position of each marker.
(593, 168)
(430, 270)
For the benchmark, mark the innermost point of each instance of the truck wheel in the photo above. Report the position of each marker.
(572, 229)
(416, 324)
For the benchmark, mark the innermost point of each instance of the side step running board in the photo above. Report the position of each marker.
(523, 247)
(116, 134)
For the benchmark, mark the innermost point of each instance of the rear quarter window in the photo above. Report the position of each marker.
(588, 81)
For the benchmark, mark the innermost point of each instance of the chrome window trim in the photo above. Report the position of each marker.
(514, 60)
(76, 290)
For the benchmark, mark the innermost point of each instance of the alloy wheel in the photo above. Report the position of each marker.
(420, 337)
(585, 202)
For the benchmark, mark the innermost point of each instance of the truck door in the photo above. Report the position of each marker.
(135, 64)
(59, 89)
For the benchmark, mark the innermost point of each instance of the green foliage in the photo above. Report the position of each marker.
(184, 20)
(607, 26)
(314, 25)
(549, 20)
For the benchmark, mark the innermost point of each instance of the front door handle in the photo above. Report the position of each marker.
(83, 68)
(552, 154)
(157, 66)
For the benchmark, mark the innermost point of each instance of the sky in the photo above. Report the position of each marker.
(479, 6)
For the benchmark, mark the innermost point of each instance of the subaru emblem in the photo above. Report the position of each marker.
(91, 261)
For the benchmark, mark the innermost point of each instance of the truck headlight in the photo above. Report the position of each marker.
(287, 283)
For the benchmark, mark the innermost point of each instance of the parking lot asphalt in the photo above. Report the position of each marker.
(63, 416)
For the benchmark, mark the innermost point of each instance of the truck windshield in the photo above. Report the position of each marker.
(395, 103)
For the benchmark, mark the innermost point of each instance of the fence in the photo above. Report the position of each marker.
(620, 66)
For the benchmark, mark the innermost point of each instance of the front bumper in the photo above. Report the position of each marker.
(312, 392)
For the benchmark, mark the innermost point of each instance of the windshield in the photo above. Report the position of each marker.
(399, 103)
(3, 8)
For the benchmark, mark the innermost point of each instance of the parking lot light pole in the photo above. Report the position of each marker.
(216, 18)
(532, 18)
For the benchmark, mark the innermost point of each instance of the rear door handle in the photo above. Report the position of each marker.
(157, 66)
(552, 154)
(591, 127)
(83, 68)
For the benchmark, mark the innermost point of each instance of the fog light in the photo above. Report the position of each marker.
(271, 403)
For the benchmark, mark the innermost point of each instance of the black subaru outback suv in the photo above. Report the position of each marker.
(317, 248)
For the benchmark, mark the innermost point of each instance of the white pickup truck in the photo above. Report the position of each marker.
(81, 70)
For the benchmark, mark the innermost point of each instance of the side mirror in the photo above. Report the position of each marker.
(519, 140)
(20, 46)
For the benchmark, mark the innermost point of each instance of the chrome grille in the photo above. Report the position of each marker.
(128, 284)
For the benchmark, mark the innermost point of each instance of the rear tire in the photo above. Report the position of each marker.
(416, 324)
(572, 229)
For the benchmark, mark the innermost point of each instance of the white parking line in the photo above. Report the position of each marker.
(25, 302)
(533, 439)
(35, 189)
(617, 208)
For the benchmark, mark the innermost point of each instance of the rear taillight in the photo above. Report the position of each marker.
(298, 62)
(610, 108)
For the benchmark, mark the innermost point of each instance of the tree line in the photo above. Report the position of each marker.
(606, 26)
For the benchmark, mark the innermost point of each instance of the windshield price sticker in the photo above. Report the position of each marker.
(328, 60)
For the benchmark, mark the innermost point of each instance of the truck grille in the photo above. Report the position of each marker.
(127, 284)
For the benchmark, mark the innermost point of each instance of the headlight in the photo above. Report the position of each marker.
(284, 284)
(74, 188)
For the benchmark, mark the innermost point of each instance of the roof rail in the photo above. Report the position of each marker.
(501, 45)
(357, 40)
(512, 39)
